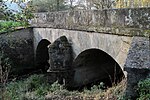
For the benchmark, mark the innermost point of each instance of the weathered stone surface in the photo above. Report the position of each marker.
(60, 60)
(60, 55)
(94, 65)
(116, 46)
(137, 64)
(131, 21)
(18, 47)
(119, 25)
(139, 54)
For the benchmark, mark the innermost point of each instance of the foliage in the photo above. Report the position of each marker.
(11, 19)
(5, 66)
(100, 4)
(144, 89)
(132, 3)
(36, 87)
(5, 13)
(24, 14)
(33, 87)
(95, 89)
(6, 26)
(108, 4)
(49, 5)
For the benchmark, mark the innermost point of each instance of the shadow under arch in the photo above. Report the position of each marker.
(94, 65)
(42, 55)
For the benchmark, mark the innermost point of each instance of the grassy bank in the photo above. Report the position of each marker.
(36, 87)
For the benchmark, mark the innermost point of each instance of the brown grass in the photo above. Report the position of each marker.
(113, 93)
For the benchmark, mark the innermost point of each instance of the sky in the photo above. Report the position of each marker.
(13, 6)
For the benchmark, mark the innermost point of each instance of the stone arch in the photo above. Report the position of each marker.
(93, 65)
(42, 55)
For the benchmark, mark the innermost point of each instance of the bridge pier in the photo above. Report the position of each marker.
(60, 60)
(137, 65)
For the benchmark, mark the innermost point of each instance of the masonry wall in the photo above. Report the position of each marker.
(114, 45)
(18, 47)
(129, 21)
(133, 23)
(137, 64)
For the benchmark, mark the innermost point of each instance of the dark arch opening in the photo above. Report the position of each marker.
(42, 55)
(94, 65)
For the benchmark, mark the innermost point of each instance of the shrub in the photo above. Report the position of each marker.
(33, 87)
(11, 19)
(5, 66)
(36, 87)
(7, 26)
(144, 89)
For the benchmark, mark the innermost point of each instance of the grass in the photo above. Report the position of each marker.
(7, 26)
(36, 87)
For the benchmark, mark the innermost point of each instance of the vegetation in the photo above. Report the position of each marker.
(36, 87)
(6, 26)
(108, 4)
(5, 67)
(132, 3)
(49, 5)
(33, 87)
(144, 89)
(11, 20)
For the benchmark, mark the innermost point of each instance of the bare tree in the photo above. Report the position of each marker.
(48, 5)
(81, 4)
(57, 5)
(71, 3)
(102, 4)
(96, 4)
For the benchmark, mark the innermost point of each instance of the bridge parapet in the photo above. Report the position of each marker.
(131, 22)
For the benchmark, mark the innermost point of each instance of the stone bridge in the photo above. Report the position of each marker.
(102, 42)
(97, 45)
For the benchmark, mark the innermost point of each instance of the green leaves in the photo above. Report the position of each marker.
(11, 19)
(144, 89)
(49, 5)
(7, 26)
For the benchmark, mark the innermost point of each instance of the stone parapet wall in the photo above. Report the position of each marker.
(131, 22)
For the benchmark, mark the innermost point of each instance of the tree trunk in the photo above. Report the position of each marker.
(57, 5)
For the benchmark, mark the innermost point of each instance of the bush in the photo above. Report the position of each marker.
(11, 19)
(31, 88)
(5, 66)
(49, 5)
(144, 89)
(36, 87)
(7, 26)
